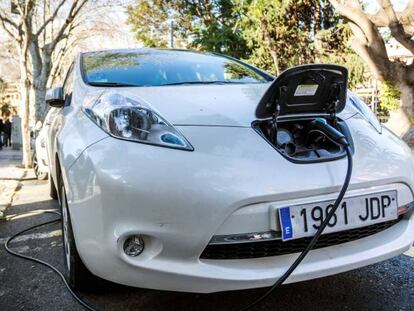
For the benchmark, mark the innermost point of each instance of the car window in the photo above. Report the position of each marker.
(158, 68)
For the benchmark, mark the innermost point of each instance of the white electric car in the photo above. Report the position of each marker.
(188, 171)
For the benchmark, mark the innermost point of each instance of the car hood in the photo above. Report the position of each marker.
(213, 105)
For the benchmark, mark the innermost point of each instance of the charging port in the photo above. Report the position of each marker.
(299, 141)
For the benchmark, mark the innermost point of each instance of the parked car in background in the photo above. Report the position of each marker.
(188, 171)
(39, 159)
(39, 136)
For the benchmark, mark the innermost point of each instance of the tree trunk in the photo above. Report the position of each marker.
(39, 92)
(407, 98)
(25, 114)
(41, 66)
(400, 120)
(275, 61)
(270, 44)
(317, 17)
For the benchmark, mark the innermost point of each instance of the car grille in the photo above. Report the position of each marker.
(278, 247)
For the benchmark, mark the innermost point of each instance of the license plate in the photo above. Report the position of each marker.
(358, 211)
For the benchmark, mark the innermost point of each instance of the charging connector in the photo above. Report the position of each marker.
(327, 129)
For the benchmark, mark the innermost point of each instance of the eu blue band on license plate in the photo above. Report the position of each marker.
(286, 223)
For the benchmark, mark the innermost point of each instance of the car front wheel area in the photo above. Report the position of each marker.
(40, 175)
(76, 274)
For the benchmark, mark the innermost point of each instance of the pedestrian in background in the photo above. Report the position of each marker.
(7, 129)
(1, 134)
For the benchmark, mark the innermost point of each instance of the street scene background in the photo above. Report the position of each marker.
(38, 42)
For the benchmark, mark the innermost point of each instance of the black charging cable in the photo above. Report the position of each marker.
(318, 233)
(44, 263)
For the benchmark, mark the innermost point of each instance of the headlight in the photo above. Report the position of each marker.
(364, 110)
(126, 118)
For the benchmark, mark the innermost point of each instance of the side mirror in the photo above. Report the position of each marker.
(55, 98)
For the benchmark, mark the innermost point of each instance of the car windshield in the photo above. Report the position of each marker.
(163, 67)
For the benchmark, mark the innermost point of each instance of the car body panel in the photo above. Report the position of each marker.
(219, 180)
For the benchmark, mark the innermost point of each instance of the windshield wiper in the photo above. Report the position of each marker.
(113, 84)
(201, 82)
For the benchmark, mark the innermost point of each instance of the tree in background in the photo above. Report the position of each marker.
(368, 42)
(44, 33)
(35, 43)
(331, 46)
(204, 25)
(271, 34)
(6, 109)
(281, 33)
(2, 85)
(150, 22)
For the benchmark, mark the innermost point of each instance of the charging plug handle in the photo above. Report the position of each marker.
(322, 125)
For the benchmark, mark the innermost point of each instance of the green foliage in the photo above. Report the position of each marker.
(389, 97)
(213, 26)
(7, 110)
(149, 22)
(331, 46)
(281, 33)
(208, 25)
(270, 34)
(278, 32)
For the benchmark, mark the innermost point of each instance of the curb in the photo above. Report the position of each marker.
(9, 187)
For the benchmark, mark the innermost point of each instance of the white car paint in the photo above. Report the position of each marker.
(231, 183)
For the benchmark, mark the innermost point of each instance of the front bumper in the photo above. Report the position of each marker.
(178, 200)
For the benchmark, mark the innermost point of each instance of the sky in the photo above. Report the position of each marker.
(371, 6)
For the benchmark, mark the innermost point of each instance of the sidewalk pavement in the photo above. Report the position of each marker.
(10, 157)
(10, 175)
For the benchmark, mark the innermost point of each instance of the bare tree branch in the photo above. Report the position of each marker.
(76, 7)
(352, 10)
(364, 52)
(9, 25)
(396, 28)
(7, 19)
(405, 17)
(51, 18)
(7, 30)
(366, 32)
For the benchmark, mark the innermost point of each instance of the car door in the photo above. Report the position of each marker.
(56, 122)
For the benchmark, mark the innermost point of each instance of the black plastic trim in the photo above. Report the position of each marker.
(262, 249)
(329, 96)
